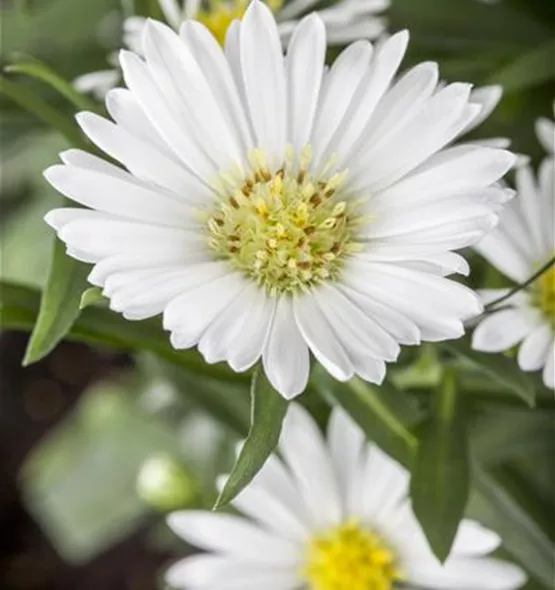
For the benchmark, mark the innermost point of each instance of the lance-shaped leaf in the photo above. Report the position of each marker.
(498, 368)
(440, 478)
(59, 307)
(40, 71)
(268, 409)
(29, 101)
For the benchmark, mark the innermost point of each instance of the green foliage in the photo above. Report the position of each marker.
(267, 414)
(60, 304)
(440, 478)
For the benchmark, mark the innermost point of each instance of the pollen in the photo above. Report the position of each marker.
(286, 230)
(545, 294)
(351, 558)
(219, 14)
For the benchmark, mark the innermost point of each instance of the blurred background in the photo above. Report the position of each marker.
(77, 427)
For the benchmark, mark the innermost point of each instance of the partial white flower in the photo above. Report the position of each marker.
(523, 242)
(345, 21)
(273, 207)
(330, 515)
(545, 129)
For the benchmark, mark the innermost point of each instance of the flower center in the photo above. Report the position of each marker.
(351, 558)
(286, 230)
(221, 13)
(545, 294)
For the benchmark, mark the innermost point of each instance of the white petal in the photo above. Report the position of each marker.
(270, 510)
(488, 98)
(208, 53)
(383, 67)
(240, 331)
(503, 329)
(232, 535)
(285, 358)
(181, 80)
(189, 315)
(264, 80)
(305, 66)
(143, 159)
(321, 339)
(545, 130)
(339, 87)
(549, 369)
(462, 574)
(166, 115)
(305, 453)
(346, 442)
(533, 351)
(473, 540)
(358, 332)
(386, 487)
(121, 194)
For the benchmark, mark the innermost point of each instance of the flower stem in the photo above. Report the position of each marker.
(490, 306)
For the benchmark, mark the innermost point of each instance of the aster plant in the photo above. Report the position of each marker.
(283, 200)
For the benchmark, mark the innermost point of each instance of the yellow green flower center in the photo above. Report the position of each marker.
(286, 230)
(351, 558)
(219, 14)
(545, 294)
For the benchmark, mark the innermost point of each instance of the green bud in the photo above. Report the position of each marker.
(164, 484)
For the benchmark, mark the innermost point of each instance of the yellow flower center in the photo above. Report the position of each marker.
(221, 13)
(287, 230)
(545, 294)
(351, 558)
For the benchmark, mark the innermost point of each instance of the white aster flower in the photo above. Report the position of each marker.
(545, 129)
(523, 242)
(345, 21)
(332, 515)
(271, 206)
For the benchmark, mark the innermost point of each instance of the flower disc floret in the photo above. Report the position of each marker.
(287, 230)
(351, 558)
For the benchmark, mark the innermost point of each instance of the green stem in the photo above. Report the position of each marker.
(490, 306)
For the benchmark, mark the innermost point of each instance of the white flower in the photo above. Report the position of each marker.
(545, 129)
(272, 206)
(523, 242)
(345, 21)
(333, 515)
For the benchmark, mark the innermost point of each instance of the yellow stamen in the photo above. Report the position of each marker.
(221, 13)
(286, 234)
(351, 557)
(545, 294)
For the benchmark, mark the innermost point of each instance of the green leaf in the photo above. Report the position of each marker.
(384, 413)
(40, 71)
(59, 306)
(91, 296)
(268, 411)
(96, 325)
(440, 478)
(531, 69)
(31, 102)
(497, 367)
(493, 506)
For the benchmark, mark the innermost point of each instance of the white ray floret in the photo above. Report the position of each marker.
(345, 21)
(268, 206)
(330, 514)
(524, 242)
